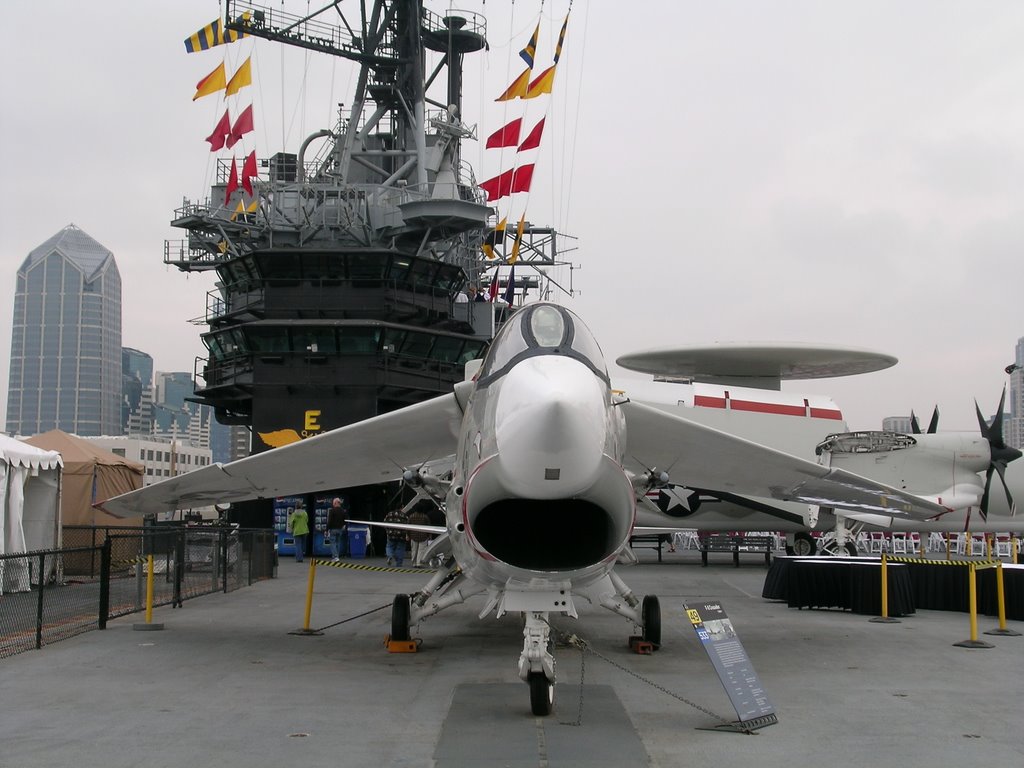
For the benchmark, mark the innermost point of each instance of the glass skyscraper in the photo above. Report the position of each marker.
(66, 343)
(1014, 431)
(137, 395)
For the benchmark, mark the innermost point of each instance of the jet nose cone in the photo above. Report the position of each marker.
(551, 426)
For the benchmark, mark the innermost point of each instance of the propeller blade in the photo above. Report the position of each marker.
(982, 424)
(1001, 469)
(1000, 454)
(983, 509)
(915, 428)
(995, 436)
(933, 425)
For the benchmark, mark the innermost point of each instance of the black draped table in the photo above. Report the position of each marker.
(939, 586)
(853, 584)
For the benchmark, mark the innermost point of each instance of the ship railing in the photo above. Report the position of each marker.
(184, 252)
(188, 208)
(274, 24)
(251, 294)
(242, 296)
(436, 372)
(434, 190)
(216, 371)
(471, 21)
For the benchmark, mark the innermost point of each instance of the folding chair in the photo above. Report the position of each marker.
(1002, 545)
(899, 543)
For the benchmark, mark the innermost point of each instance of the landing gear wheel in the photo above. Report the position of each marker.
(849, 549)
(803, 545)
(400, 618)
(650, 611)
(542, 694)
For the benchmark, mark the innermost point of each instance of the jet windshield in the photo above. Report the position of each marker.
(542, 329)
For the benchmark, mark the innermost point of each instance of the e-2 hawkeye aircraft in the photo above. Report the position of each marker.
(548, 466)
(951, 468)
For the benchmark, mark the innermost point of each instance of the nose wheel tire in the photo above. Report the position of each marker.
(542, 694)
(650, 611)
(400, 618)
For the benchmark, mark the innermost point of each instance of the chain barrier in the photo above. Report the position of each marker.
(584, 647)
(350, 618)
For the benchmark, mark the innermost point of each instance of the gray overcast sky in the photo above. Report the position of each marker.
(841, 172)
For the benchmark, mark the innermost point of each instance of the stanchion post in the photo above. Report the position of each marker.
(309, 592)
(972, 590)
(885, 618)
(149, 624)
(305, 630)
(1001, 600)
(149, 588)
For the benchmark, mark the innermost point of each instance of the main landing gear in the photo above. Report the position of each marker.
(400, 618)
(536, 662)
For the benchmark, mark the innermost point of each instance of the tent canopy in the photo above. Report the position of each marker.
(15, 453)
(90, 474)
(29, 507)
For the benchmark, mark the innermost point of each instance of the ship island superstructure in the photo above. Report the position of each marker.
(338, 275)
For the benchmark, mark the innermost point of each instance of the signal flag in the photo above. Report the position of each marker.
(561, 38)
(243, 124)
(507, 136)
(541, 84)
(519, 239)
(509, 182)
(518, 88)
(533, 140)
(249, 172)
(494, 238)
(531, 48)
(212, 34)
(232, 182)
(220, 133)
(212, 83)
(510, 286)
(241, 78)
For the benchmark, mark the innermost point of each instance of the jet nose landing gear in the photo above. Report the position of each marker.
(536, 664)
(542, 694)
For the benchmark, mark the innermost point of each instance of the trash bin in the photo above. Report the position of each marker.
(357, 535)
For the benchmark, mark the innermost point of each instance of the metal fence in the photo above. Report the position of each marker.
(50, 595)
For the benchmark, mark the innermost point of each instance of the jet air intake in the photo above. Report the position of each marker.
(555, 534)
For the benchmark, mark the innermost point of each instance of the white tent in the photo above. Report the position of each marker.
(29, 508)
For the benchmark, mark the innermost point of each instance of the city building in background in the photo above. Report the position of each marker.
(66, 370)
(70, 372)
(899, 424)
(175, 416)
(162, 458)
(228, 442)
(137, 400)
(1014, 430)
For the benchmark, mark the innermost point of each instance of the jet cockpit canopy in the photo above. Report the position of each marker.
(541, 329)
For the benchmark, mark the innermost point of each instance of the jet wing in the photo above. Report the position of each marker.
(702, 457)
(372, 451)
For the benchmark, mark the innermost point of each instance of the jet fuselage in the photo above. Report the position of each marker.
(538, 489)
